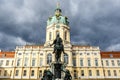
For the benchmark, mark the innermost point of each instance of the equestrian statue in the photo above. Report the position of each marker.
(58, 47)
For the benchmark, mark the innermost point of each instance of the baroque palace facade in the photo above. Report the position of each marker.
(84, 62)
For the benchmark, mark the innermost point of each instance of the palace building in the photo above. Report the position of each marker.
(85, 62)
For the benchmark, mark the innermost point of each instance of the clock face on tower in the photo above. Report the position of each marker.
(57, 26)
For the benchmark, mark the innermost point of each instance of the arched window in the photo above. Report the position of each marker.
(50, 35)
(49, 58)
(57, 32)
(65, 58)
(65, 35)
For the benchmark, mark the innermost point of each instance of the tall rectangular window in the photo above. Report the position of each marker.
(34, 54)
(10, 72)
(32, 73)
(66, 58)
(41, 61)
(26, 61)
(81, 62)
(109, 74)
(113, 64)
(118, 62)
(75, 74)
(102, 63)
(96, 62)
(18, 62)
(74, 62)
(115, 73)
(89, 62)
(17, 72)
(12, 62)
(7, 62)
(97, 73)
(5, 73)
(107, 63)
(90, 72)
(33, 62)
(24, 73)
(1, 62)
(40, 73)
(82, 72)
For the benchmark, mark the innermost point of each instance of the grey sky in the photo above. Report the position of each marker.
(94, 22)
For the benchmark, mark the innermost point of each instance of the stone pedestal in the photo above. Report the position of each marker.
(56, 69)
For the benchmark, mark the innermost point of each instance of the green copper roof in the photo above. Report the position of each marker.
(59, 19)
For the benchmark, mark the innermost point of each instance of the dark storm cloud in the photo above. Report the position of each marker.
(93, 22)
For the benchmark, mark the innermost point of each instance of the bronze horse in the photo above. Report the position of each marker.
(58, 47)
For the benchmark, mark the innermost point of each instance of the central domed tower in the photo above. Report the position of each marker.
(58, 24)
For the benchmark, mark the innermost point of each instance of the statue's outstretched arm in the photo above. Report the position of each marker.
(53, 43)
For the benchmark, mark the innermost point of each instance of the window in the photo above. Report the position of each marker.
(10, 72)
(57, 32)
(74, 62)
(109, 74)
(89, 63)
(96, 62)
(0, 72)
(33, 62)
(80, 53)
(12, 62)
(102, 63)
(113, 64)
(26, 61)
(88, 53)
(65, 35)
(16, 73)
(115, 73)
(32, 73)
(118, 62)
(107, 63)
(26, 53)
(95, 53)
(66, 58)
(97, 73)
(18, 62)
(19, 53)
(40, 73)
(41, 54)
(82, 72)
(49, 58)
(41, 61)
(90, 73)
(34, 54)
(75, 74)
(5, 73)
(24, 73)
(50, 36)
(73, 54)
(7, 62)
(81, 62)
(1, 62)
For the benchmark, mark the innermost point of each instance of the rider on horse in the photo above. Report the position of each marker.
(58, 44)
